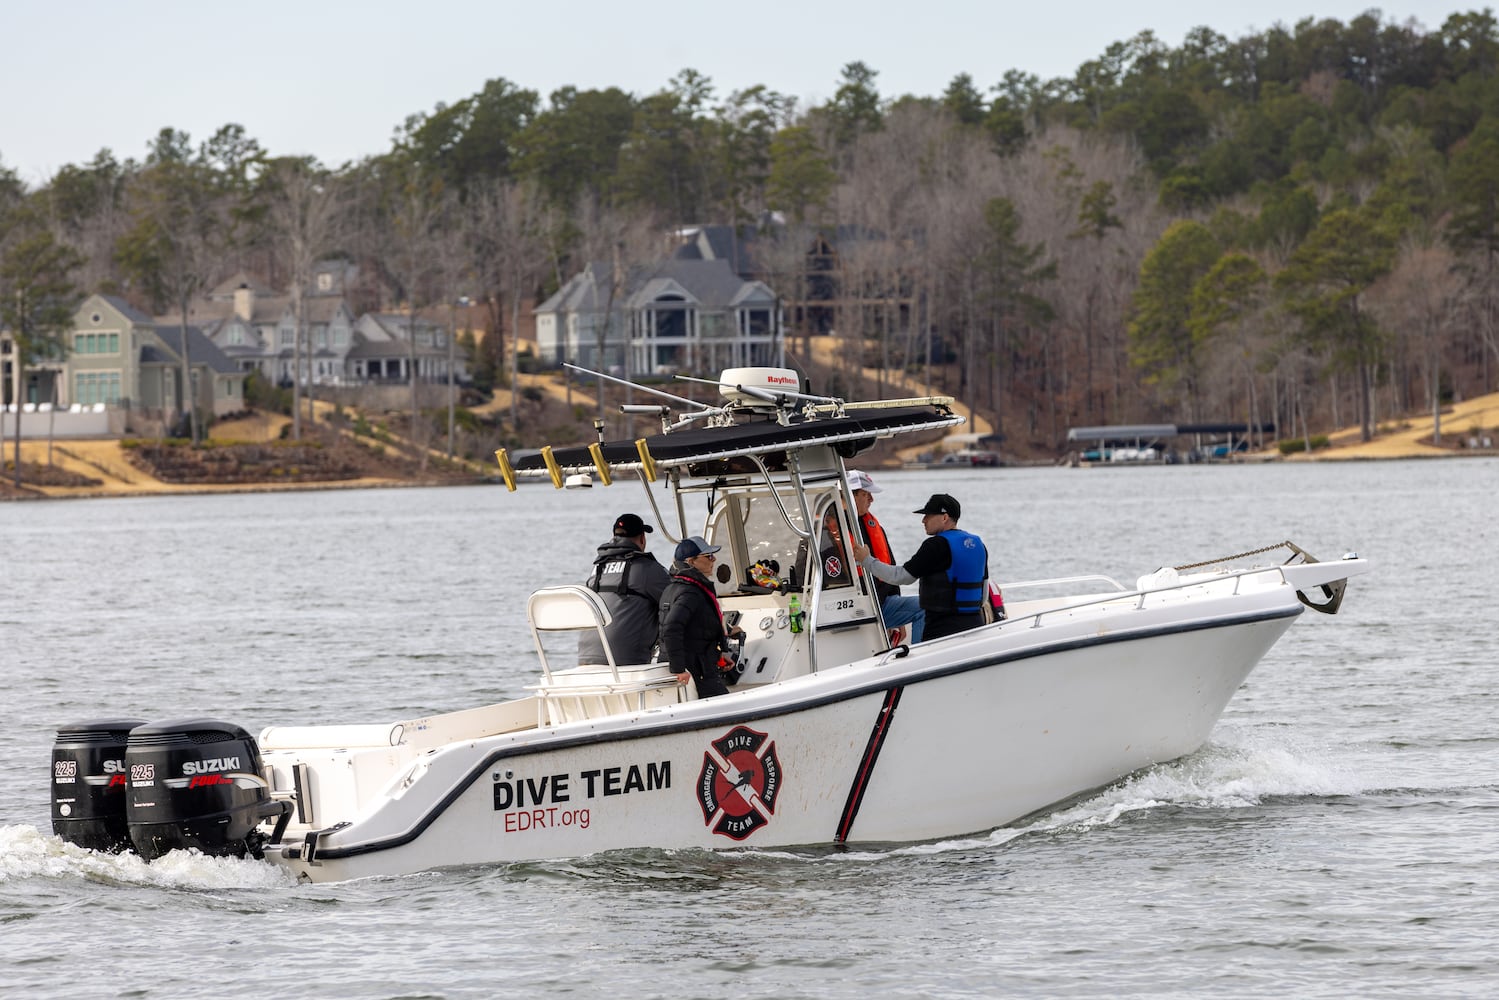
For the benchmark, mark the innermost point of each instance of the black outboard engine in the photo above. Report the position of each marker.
(88, 783)
(196, 783)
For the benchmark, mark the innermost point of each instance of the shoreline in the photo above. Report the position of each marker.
(102, 458)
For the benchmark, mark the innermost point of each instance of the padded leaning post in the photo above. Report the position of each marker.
(568, 609)
(590, 690)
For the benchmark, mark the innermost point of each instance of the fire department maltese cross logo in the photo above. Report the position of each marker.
(738, 786)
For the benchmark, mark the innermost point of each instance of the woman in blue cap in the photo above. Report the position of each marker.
(692, 632)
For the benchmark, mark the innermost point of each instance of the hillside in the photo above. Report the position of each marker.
(94, 468)
(1468, 428)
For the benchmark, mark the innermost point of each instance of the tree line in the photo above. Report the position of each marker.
(1296, 226)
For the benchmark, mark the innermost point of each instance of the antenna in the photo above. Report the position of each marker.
(636, 385)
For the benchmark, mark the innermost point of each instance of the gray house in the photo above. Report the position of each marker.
(257, 328)
(119, 357)
(678, 315)
(383, 352)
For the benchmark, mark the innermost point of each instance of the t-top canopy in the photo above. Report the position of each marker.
(851, 432)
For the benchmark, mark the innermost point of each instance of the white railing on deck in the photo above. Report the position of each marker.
(1122, 592)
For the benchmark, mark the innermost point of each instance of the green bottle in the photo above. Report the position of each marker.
(795, 614)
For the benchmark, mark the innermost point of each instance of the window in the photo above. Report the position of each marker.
(96, 387)
(757, 322)
(767, 538)
(714, 326)
(96, 343)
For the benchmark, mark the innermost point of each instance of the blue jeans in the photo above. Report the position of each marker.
(904, 610)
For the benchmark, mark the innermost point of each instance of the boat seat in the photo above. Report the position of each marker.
(590, 690)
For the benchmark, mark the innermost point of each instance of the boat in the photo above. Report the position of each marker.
(831, 735)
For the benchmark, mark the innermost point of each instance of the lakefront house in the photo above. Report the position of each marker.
(121, 363)
(674, 315)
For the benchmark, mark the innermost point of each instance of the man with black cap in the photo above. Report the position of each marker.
(692, 633)
(951, 567)
(631, 582)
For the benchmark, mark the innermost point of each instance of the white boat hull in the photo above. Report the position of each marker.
(829, 737)
(964, 734)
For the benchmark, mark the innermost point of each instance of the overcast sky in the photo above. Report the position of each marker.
(335, 80)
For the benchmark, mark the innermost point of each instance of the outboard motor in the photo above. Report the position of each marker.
(88, 783)
(196, 783)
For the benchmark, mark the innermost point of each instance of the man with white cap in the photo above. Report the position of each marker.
(692, 633)
(894, 608)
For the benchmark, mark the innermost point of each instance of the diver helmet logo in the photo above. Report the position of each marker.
(739, 782)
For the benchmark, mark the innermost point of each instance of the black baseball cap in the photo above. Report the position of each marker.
(630, 526)
(941, 503)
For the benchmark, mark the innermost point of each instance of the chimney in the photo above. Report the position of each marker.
(244, 302)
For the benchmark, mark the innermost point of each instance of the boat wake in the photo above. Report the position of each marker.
(1246, 771)
(27, 853)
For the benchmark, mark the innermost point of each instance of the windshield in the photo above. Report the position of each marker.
(775, 554)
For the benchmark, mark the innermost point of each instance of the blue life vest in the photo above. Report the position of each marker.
(962, 591)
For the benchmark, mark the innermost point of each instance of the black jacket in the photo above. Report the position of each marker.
(692, 635)
(631, 583)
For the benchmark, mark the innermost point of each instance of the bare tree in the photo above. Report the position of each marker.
(453, 273)
(85, 206)
(782, 255)
(505, 229)
(878, 235)
(303, 202)
(180, 227)
(616, 243)
(416, 208)
(1420, 297)
(37, 298)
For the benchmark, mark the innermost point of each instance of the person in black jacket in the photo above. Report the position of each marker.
(692, 632)
(631, 582)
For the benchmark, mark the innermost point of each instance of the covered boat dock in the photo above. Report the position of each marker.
(1157, 443)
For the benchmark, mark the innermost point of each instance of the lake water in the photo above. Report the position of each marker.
(1338, 836)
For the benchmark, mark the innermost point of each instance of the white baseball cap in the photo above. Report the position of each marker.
(860, 481)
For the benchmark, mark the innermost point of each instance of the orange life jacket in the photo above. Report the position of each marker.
(879, 545)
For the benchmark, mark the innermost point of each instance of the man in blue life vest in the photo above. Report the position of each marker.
(951, 567)
(631, 582)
